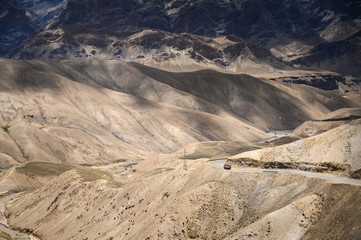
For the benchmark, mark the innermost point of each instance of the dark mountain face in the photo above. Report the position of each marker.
(342, 56)
(321, 28)
(264, 21)
(115, 15)
(42, 11)
(154, 47)
(259, 21)
(15, 26)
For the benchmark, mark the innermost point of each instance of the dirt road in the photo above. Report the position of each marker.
(335, 179)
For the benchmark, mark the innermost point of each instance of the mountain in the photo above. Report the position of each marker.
(119, 16)
(171, 203)
(256, 21)
(297, 32)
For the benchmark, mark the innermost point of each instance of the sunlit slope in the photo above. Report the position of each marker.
(93, 112)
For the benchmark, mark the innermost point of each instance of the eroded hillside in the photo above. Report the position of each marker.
(128, 111)
(98, 146)
(201, 203)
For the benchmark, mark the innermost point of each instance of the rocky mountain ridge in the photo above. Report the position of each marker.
(258, 22)
(157, 48)
(309, 34)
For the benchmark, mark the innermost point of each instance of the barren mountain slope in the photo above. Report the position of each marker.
(128, 111)
(41, 12)
(76, 152)
(328, 122)
(47, 119)
(260, 21)
(261, 102)
(312, 128)
(118, 115)
(170, 203)
(266, 104)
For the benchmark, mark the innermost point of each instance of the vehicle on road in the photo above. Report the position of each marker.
(227, 166)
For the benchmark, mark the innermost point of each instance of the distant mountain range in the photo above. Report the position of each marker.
(323, 35)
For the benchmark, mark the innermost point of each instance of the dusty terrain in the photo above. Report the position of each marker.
(107, 163)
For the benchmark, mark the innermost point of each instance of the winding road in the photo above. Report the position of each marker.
(335, 179)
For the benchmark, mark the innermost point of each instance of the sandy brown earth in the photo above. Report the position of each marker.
(47, 120)
(129, 111)
(95, 150)
(200, 203)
